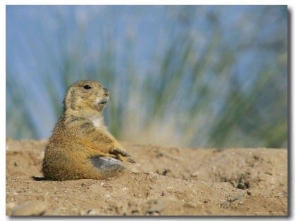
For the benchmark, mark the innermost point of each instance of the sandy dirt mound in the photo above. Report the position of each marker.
(165, 181)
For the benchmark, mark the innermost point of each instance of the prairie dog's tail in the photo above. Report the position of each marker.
(107, 165)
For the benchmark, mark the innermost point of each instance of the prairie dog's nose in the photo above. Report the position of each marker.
(106, 93)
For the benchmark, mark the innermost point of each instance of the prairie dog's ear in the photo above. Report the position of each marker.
(69, 101)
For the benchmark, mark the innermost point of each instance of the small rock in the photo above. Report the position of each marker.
(195, 174)
(164, 173)
(33, 208)
(135, 168)
(159, 206)
(93, 212)
(135, 211)
(37, 189)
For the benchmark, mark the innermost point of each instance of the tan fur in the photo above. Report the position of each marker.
(80, 134)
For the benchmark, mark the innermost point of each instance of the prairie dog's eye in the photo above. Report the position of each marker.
(87, 87)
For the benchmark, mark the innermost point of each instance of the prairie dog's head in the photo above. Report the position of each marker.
(86, 95)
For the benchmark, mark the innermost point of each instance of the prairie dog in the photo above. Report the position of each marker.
(81, 146)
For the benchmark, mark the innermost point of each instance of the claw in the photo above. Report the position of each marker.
(118, 151)
(130, 160)
(123, 153)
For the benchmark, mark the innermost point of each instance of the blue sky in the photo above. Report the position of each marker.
(39, 37)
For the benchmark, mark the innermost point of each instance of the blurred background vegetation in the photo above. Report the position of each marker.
(197, 76)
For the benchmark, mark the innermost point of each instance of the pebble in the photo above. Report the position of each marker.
(30, 208)
(159, 206)
(37, 189)
(195, 174)
(93, 212)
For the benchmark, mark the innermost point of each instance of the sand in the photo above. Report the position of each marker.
(166, 181)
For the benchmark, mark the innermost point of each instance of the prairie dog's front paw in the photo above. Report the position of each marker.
(123, 153)
(117, 151)
(130, 160)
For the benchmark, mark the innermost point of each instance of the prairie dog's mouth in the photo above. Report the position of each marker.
(103, 101)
